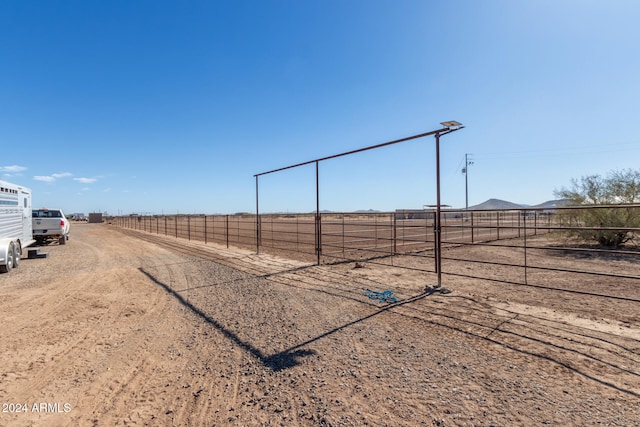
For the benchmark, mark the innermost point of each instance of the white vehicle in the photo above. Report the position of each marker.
(15, 224)
(50, 224)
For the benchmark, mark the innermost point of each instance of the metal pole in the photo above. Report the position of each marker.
(375, 230)
(318, 225)
(298, 233)
(426, 227)
(343, 235)
(433, 132)
(394, 234)
(257, 221)
(435, 242)
(438, 225)
(472, 228)
(205, 229)
(466, 181)
(525, 247)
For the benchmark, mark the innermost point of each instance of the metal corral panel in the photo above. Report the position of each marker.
(95, 217)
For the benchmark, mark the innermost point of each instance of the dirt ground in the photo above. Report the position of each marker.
(120, 328)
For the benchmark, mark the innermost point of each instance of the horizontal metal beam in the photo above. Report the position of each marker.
(422, 135)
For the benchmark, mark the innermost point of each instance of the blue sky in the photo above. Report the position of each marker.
(173, 106)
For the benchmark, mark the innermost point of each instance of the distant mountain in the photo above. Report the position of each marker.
(497, 204)
(503, 204)
(551, 204)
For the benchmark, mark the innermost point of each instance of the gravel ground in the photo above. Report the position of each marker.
(125, 328)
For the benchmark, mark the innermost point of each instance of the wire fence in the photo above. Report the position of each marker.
(520, 246)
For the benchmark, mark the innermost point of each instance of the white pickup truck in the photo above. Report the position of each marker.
(50, 224)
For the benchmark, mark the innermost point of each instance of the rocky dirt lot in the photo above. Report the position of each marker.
(121, 328)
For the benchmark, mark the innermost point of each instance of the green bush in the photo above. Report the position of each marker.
(609, 220)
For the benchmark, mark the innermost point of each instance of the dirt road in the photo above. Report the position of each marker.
(123, 328)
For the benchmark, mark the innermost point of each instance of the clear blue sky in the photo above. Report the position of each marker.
(172, 106)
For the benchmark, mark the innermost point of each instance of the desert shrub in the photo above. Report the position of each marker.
(610, 216)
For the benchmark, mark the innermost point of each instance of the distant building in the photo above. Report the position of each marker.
(95, 217)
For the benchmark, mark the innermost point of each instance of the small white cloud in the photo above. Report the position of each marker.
(12, 169)
(106, 190)
(85, 180)
(52, 177)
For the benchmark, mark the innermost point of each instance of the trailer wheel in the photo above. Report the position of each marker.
(9, 264)
(17, 253)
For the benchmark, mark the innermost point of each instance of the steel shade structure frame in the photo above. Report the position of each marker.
(448, 127)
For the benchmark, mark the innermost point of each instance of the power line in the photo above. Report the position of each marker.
(576, 150)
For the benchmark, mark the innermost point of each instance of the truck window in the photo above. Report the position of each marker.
(46, 214)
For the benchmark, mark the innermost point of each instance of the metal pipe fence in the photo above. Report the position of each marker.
(523, 246)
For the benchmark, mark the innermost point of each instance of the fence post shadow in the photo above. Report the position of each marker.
(277, 362)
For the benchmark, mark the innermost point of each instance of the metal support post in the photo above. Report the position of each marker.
(257, 221)
(318, 219)
(438, 211)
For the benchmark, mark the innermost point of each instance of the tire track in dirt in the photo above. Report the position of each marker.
(126, 353)
(55, 318)
(188, 407)
(78, 341)
(488, 325)
(184, 333)
(241, 260)
(533, 336)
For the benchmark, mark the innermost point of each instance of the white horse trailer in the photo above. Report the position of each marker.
(15, 224)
